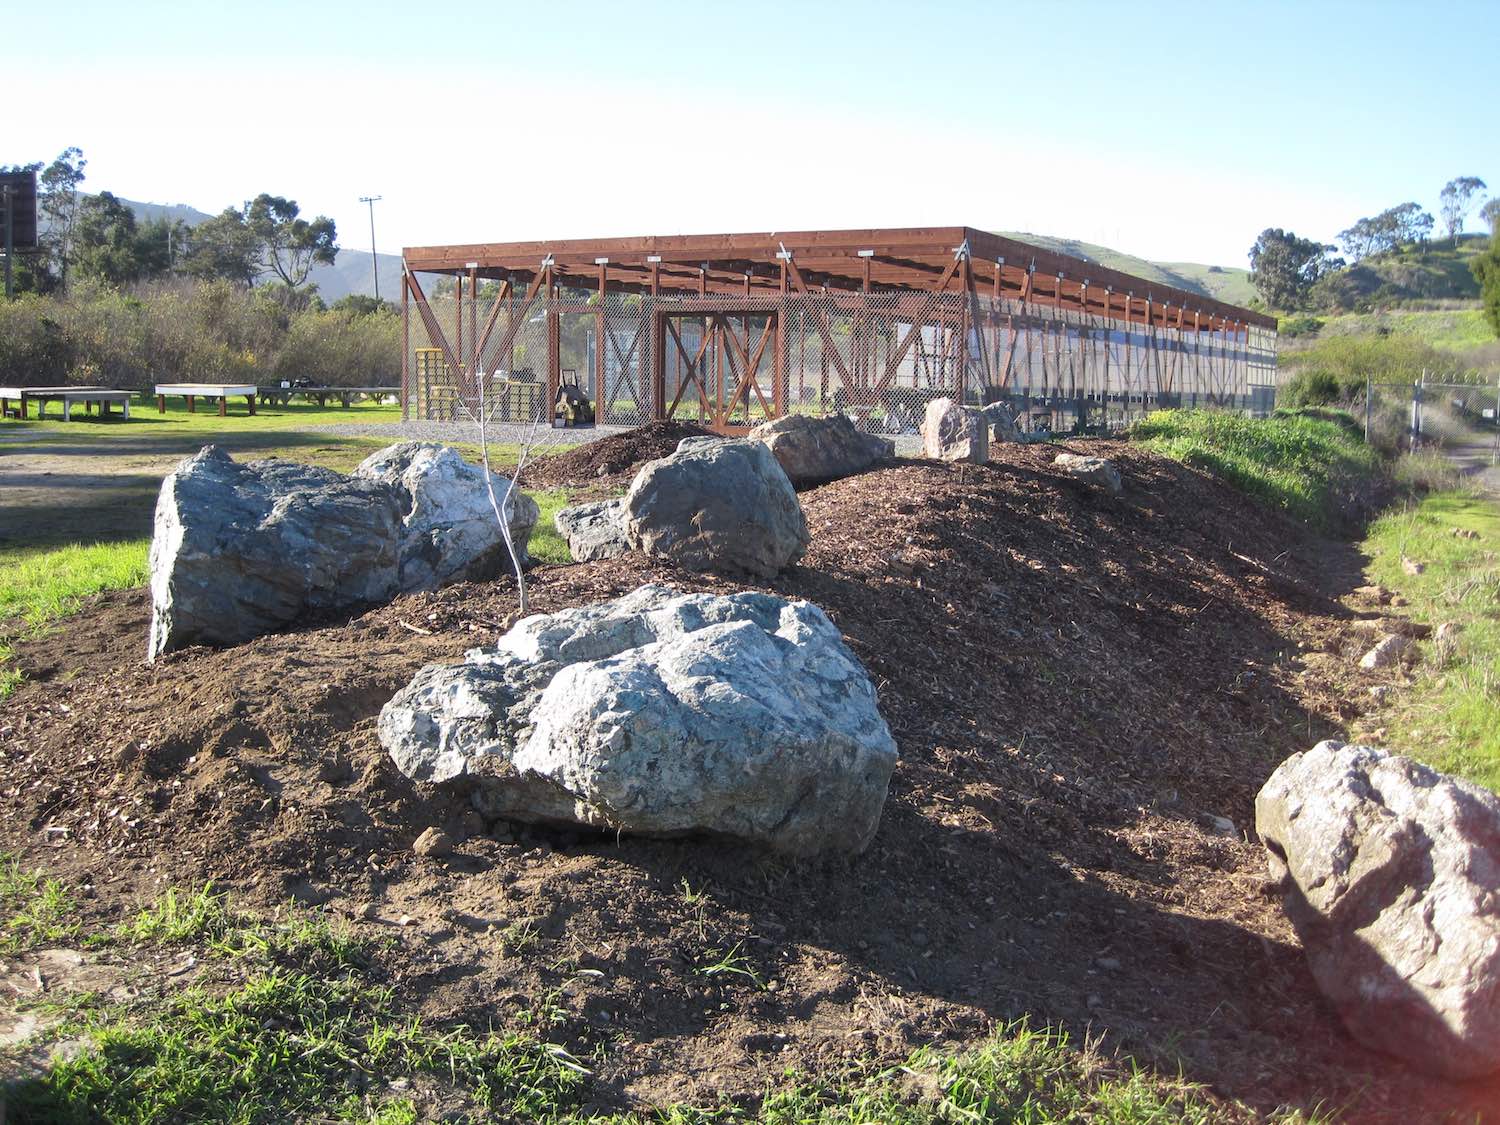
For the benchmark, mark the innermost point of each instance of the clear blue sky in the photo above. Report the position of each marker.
(1174, 131)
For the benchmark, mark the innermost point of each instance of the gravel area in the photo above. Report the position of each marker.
(907, 445)
(465, 432)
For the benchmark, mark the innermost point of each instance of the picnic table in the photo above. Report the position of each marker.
(195, 391)
(345, 395)
(89, 396)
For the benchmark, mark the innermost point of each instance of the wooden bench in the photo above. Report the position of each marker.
(22, 396)
(345, 395)
(194, 391)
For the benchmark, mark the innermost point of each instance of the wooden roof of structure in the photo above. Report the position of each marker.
(930, 259)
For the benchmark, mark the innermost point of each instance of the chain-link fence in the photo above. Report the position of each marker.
(732, 361)
(1456, 418)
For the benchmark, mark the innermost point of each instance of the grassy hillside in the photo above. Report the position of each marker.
(1433, 271)
(1450, 329)
(1226, 283)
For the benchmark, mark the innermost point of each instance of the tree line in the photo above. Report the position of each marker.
(99, 238)
(1288, 270)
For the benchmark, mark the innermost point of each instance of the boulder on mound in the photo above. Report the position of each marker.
(716, 505)
(1090, 470)
(593, 531)
(1390, 873)
(240, 550)
(954, 432)
(817, 450)
(663, 714)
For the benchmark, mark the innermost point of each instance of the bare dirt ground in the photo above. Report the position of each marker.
(1076, 682)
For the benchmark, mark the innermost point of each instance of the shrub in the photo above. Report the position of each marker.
(1310, 388)
(1293, 326)
(198, 330)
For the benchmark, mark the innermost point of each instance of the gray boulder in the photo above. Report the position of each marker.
(1002, 422)
(716, 505)
(1390, 873)
(663, 714)
(1091, 470)
(954, 432)
(816, 450)
(593, 531)
(239, 550)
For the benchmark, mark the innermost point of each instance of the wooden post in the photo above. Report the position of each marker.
(405, 348)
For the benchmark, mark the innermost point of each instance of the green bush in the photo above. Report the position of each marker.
(1345, 362)
(193, 330)
(1310, 388)
(1293, 326)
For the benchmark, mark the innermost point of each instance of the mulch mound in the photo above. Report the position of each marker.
(610, 458)
(1076, 683)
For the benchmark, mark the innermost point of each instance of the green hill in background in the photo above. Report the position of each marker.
(1224, 283)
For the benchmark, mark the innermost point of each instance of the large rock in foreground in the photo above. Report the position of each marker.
(660, 713)
(817, 450)
(245, 549)
(716, 505)
(954, 432)
(1390, 873)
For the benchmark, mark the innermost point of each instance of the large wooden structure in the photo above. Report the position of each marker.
(733, 329)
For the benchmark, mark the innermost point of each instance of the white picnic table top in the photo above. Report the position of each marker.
(208, 390)
(32, 392)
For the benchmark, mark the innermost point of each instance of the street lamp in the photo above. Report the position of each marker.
(374, 262)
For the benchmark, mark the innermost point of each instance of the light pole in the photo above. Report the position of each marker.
(374, 262)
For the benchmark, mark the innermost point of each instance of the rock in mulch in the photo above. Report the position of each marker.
(817, 450)
(593, 531)
(660, 713)
(1378, 594)
(1091, 470)
(1390, 873)
(1390, 649)
(954, 432)
(240, 550)
(723, 506)
(1001, 419)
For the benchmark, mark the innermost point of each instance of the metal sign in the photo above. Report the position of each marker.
(18, 210)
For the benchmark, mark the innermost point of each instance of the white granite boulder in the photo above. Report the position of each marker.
(663, 714)
(239, 549)
(1390, 873)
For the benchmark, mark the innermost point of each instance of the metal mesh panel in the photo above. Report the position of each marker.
(731, 361)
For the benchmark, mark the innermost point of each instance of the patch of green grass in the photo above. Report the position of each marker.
(1294, 463)
(35, 909)
(1019, 1074)
(144, 418)
(37, 586)
(41, 585)
(205, 918)
(546, 544)
(1450, 714)
(287, 1045)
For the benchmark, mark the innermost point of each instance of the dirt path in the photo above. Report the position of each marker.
(1476, 460)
